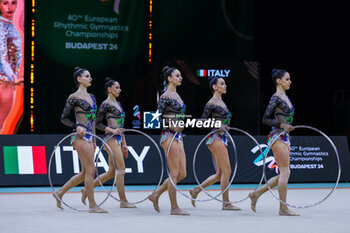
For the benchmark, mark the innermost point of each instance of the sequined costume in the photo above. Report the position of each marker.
(115, 116)
(173, 109)
(85, 115)
(218, 110)
(277, 112)
(10, 50)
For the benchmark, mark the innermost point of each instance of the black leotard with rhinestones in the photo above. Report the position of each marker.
(278, 111)
(115, 117)
(85, 114)
(217, 113)
(171, 109)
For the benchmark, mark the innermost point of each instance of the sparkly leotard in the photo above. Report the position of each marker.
(114, 114)
(10, 49)
(172, 108)
(218, 110)
(277, 112)
(85, 114)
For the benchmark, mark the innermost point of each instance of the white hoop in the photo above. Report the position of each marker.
(203, 189)
(338, 160)
(49, 173)
(212, 197)
(161, 161)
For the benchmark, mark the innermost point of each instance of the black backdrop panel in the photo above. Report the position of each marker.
(311, 161)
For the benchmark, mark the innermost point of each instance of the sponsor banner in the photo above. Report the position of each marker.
(24, 160)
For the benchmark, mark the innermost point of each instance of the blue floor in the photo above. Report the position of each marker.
(4, 190)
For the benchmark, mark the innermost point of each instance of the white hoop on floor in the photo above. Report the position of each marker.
(161, 161)
(233, 176)
(50, 180)
(338, 160)
(203, 189)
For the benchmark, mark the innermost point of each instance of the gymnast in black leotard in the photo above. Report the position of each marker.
(279, 111)
(279, 115)
(85, 114)
(217, 109)
(172, 108)
(217, 142)
(112, 111)
(84, 106)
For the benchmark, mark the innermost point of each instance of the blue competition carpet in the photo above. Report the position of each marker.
(14, 190)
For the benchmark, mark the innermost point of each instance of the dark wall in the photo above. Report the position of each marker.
(307, 38)
(310, 39)
(204, 29)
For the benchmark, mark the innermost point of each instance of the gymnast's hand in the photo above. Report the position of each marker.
(18, 82)
(4, 79)
(178, 129)
(80, 130)
(287, 127)
(116, 131)
(125, 150)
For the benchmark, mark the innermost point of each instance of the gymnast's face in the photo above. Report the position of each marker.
(115, 90)
(175, 78)
(85, 79)
(285, 81)
(8, 8)
(220, 86)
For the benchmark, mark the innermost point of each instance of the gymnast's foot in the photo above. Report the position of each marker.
(287, 212)
(58, 202)
(98, 210)
(154, 199)
(229, 206)
(254, 198)
(194, 196)
(178, 211)
(126, 205)
(83, 196)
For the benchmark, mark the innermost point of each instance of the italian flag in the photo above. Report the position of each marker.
(202, 73)
(25, 160)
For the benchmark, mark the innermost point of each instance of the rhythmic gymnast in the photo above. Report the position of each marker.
(173, 109)
(278, 115)
(113, 112)
(217, 143)
(10, 58)
(84, 106)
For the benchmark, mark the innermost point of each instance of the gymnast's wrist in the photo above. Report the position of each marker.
(109, 130)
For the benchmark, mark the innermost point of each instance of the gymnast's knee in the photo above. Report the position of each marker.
(284, 175)
(121, 172)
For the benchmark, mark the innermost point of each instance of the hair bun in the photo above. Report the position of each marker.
(165, 68)
(274, 71)
(76, 69)
(108, 79)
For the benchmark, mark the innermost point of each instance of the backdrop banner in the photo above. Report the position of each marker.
(24, 160)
